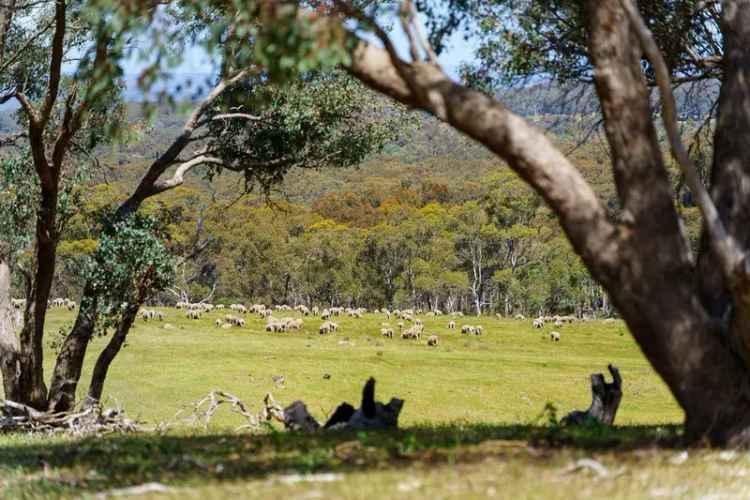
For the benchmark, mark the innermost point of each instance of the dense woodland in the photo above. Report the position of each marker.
(431, 222)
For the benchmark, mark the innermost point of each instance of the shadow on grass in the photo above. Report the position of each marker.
(66, 466)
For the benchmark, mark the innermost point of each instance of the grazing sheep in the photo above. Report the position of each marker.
(295, 324)
(315, 311)
(302, 309)
(193, 314)
(478, 330)
(538, 323)
(387, 332)
(220, 307)
(451, 325)
(327, 327)
(432, 340)
(558, 322)
(326, 314)
(226, 326)
(554, 336)
(520, 317)
(218, 323)
(467, 330)
(415, 332)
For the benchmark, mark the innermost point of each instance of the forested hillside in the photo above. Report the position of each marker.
(433, 221)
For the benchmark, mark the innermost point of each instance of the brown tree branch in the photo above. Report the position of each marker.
(527, 151)
(161, 164)
(732, 257)
(55, 65)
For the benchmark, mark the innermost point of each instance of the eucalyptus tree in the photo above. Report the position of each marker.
(248, 120)
(688, 313)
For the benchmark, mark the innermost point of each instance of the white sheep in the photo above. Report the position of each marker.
(478, 330)
(554, 336)
(387, 332)
(432, 340)
(467, 330)
(451, 325)
(218, 323)
(538, 323)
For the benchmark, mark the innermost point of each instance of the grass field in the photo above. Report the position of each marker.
(472, 425)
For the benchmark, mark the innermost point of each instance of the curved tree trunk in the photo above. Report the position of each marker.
(108, 354)
(69, 362)
(33, 390)
(643, 261)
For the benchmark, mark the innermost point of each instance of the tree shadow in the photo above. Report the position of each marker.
(59, 465)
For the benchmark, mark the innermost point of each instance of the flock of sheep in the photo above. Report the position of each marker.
(68, 304)
(414, 330)
(558, 321)
(275, 324)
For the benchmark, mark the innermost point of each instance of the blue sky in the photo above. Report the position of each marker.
(197, 65)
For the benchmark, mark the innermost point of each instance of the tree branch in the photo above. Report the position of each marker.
(727, 249)
(55, 65)
(527, 151)
(179, 176)
(160, 165)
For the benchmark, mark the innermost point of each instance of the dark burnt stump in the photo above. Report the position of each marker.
(605, 400)
(371, 415)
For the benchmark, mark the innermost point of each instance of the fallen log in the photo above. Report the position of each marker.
(605, 400)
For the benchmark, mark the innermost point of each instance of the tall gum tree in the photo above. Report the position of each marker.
(688, 315)
(242, 123)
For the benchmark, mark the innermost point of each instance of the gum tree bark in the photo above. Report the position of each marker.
(686, 317)
(9, 363)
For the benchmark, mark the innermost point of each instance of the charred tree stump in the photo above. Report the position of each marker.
(605, 400)
(371, 415)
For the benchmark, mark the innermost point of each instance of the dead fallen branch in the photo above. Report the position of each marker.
(92, 419)
(371, 415)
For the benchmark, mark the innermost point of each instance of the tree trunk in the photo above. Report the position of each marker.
(108, 354)
(654, 286)
(31, 348)
(730, 176)
(642, 260)
(9, 360)
(67, 372)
